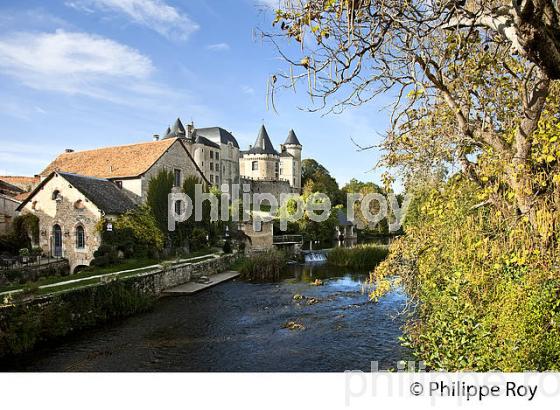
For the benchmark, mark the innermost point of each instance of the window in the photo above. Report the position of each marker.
(119, 184)
(217, 180)
(211, 154)
(212, 178)
(255, 165)
(80, 237)
(281, 169)
(211, 166)
(177, 177)
(276, 169)
(56, 195)
(217, 155)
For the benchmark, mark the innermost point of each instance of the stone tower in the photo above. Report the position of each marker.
(293, 147)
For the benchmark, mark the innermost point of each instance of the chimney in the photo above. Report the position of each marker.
(156, 137)
(190, 129)
(68, 150)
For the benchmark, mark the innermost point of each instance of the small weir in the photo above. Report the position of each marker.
(314, 257)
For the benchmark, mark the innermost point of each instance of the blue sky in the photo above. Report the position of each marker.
(83, 74)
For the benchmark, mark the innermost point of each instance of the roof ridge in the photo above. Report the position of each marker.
(167, 140)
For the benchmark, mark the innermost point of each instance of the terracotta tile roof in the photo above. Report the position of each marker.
(111, 162)
(22, 197)
(22, 182)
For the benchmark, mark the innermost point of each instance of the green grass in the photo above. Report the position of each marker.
(363, 257)
(262, 266)
(94, 271)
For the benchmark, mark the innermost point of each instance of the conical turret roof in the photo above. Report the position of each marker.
(292, 139)
(178, 130)
(263, 144)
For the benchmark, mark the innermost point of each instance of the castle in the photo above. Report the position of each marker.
(217, 154)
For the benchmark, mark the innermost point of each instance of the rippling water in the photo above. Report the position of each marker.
(238, 326)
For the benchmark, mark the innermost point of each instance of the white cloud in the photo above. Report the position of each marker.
(218, 47)
(73, 63)
(154, 14)
(247, 90)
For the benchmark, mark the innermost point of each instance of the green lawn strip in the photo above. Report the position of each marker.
(123, 270)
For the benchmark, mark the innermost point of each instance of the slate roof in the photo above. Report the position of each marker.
(205, 141)
(217, 135)
(262, 144)
(177, 131)
(102, 192)
(292, 139)
(342, 218)
(123, 161)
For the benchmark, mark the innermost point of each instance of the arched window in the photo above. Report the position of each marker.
(80, 237)
(57, 241)
(55, 195)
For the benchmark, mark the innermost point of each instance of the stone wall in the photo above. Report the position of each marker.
(27, 323)
(176, 157)
(7, 212)
(273, 187)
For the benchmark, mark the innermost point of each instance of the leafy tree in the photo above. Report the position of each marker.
(460, 92)
(475, 132)
(316, 178)
(159, 188)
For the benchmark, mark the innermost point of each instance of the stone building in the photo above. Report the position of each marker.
(215, 151)
(69, 207)
(13, 190)
(80, 187)
(131, 167)
(265, 168)
(8, 207)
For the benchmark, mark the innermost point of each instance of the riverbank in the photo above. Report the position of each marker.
(30, 320)
(241, 326)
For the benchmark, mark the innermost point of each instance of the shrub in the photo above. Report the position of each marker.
(364, 257)
(266, 266)
(198, 239)
(227, 247)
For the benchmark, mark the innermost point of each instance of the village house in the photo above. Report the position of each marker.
(13, 190)
(68, 207)
(80, 188)
(130, 167)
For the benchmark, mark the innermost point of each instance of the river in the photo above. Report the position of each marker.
(239, 326)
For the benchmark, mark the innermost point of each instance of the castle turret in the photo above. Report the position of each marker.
(293, 147)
